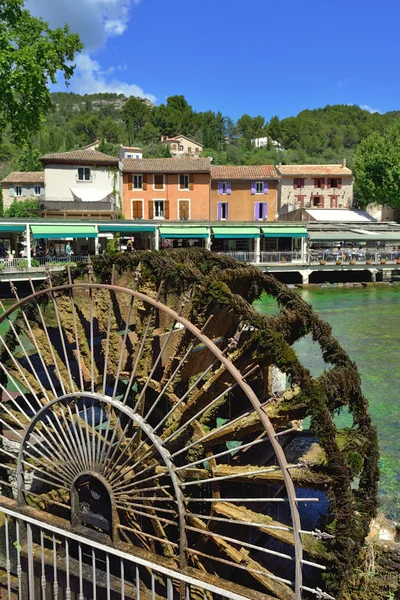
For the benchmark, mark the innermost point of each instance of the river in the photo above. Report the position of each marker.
(366, 322)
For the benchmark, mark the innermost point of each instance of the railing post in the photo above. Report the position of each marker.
(257, 249)
(208, 240)
(157, 239)
(28, 245)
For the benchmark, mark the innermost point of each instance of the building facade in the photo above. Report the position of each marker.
(82, 181)
(180, 145)
(21, 186)
(166, 189)
(244, 193)
(130, 152)
(315, 186)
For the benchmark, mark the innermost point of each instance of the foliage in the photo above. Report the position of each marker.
(29, 159)
(135, 114)
(32, 55)
(1, 203)
(377, 168)
(35, 263)
(22, 264)
(23, 208)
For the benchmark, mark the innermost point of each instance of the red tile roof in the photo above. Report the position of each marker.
(295, 170)
(166, 165)
(250, 172)
(24, 177)
(92, 157)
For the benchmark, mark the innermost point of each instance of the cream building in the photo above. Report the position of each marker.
(180, 145)
(315, 186)
(21, 186)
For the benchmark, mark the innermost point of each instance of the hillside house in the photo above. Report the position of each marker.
(180, 145)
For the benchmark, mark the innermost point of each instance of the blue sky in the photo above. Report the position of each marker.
(255, 56)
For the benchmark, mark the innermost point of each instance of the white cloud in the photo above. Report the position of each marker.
(90, 79)
(96, 21)
(369, 109)
(343, 82)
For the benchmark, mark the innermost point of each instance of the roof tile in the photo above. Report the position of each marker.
(166, 165)
(294, 170)
(80, 156)
(250, 172)
(24, 177)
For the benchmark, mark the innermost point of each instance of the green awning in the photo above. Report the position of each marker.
(236, 232)
(292, 232)
(59, 232)
(11, 228)
(128, 229)
(184, 232)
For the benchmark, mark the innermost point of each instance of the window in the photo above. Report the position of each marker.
(174, 146)
(158, 182)
(334, 183)
(259, 187)
(38, 190)
(222, 211)
(18, 190)
(137, 209)
(319, 183)
(83, 174)
(184, 210)
(137, 182)
(181, 148)
(158, 209)
(260, 211)
(299, 183)
(196, 150)
(184, 181)
(224, 187)
(318, 202)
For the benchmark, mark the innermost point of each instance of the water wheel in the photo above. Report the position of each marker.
(136, 424)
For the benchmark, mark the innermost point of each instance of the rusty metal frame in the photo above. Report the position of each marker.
(159, 444)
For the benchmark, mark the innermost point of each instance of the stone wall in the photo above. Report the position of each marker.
(289, 196)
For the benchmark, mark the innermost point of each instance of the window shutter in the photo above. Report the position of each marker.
(140, 210)
(228, 188)
(256, 211)
(329, 183)
(226, 210)
(130, 181)
(144, 182)
(151, 209)
(180, 180)
(166, 209)
(253, 187)
(191, 185)
(265, 211)
(32, 191)
(339, 183)
(219, 211)
(266, 187)
(295, 184)
(11, 191)
(302, 182)
(322, 184)
(135, 209)
(24, 191)
(322, 201)
(219, 187)
(315, 183)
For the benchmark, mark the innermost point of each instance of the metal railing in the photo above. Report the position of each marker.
(40, 261)
(40, 560)
(276, 257)
(243, 256)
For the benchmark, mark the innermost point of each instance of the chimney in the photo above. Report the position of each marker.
(162, 138)
(344, 163)
(280, 164)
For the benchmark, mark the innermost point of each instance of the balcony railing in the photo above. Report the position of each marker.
(280, 257)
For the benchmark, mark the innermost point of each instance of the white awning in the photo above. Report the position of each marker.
(91, 194)
(342, 214)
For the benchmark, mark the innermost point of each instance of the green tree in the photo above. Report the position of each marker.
(135, 114)
(377, 168)
(274, 129)
(32, 54)
(29, 159)
(150, 134)
(23, 208)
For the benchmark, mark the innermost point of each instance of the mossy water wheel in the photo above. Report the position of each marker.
(141, 395)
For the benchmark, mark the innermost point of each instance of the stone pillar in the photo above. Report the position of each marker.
(96, 241)
(28, 245)
(157, 239)
(304, 249)
(306, 276)
(373, 274)
(257, 249)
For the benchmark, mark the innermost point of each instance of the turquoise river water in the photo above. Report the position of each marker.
(366, 322)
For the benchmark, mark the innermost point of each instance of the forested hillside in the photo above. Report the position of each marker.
(323, 135)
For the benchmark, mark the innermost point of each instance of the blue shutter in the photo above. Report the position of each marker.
(42, 190)
(219, 211)
(32, 191)
(265, 210)
(226, 211)
(11, 191)
(228, 188)
(265, 187)
(24, 191)
(219, 187)
(253, 187)
(256, 211)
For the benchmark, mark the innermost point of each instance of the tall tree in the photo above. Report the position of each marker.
(31, 56)
(29, 159)
(377, 168)
(135, 114)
